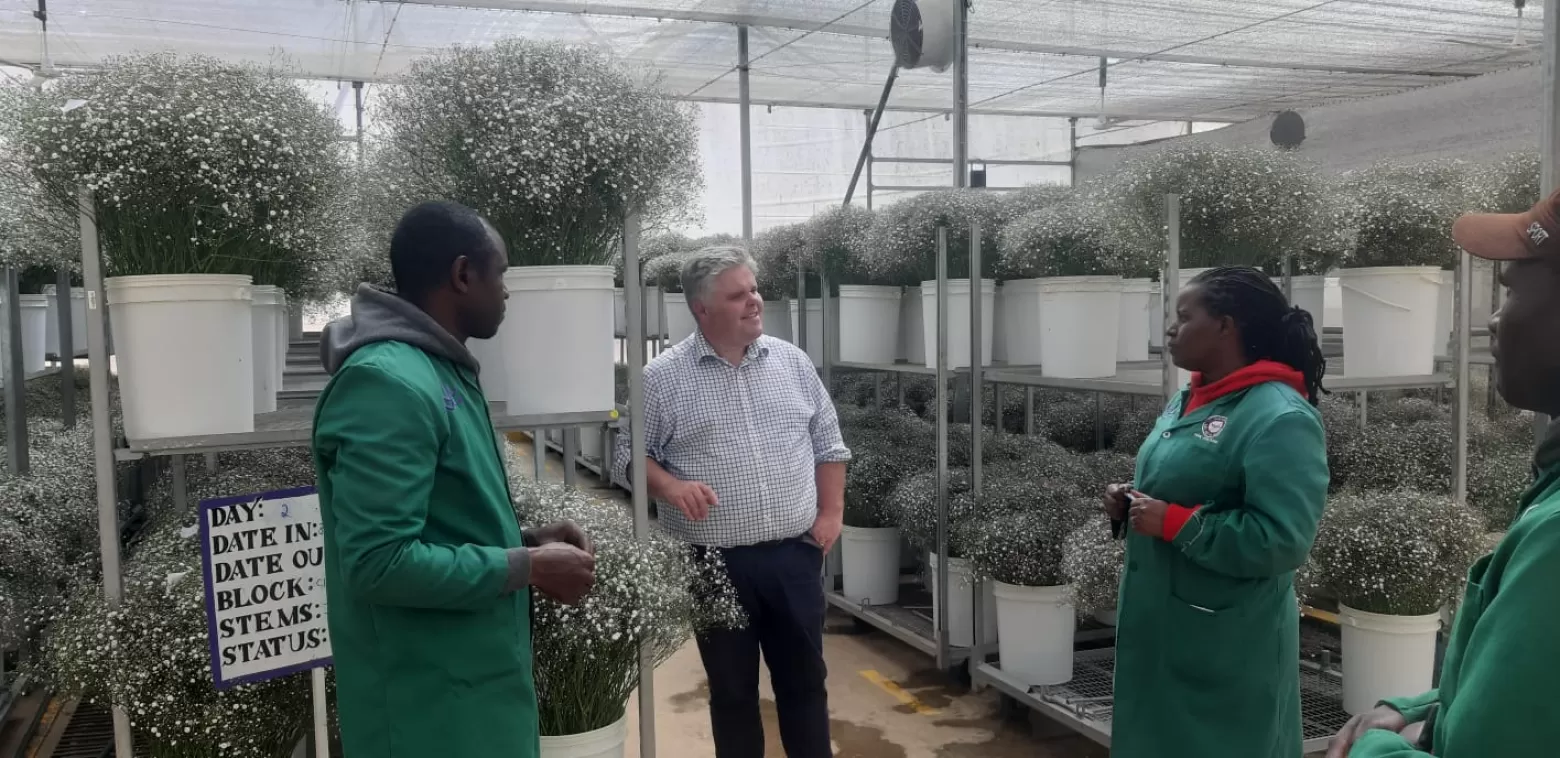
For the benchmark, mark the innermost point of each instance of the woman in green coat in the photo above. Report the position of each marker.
(1229, 488)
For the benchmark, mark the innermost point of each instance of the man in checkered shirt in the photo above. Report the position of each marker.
(742, 441)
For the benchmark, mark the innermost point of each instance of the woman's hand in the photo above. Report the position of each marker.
(1117, 500)
(1382, 717)
(1147, 515)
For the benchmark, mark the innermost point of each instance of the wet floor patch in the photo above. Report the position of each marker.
(851, 740)
(695, 699)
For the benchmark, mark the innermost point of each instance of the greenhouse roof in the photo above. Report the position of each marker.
(1203, 60)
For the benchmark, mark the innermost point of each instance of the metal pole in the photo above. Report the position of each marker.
(181, 488)
(1072, 151)
(539, 452)
(1462, 301)
(940, 317)
(1029, 411)
(65, 303)
(1168, 288)
(746, 125)
(865, 157)
(961, 96)
(1492, 393)
(977, 358)
(102, 432)
(15, 373)
(826, 345)
(321, 713)
(571, 456)
(637, 487)
(801, 308)
(1289, 278)
(1549, 138)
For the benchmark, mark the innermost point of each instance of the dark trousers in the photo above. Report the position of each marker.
(780, 586)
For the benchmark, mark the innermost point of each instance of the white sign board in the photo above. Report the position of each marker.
(264, 561)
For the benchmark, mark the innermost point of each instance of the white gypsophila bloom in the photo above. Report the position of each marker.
(1510, 185)
(197, 166)
(34, 232)
(1065, 238)
(1239, 206)
(552, 143)
(835, 241)
(1401, 215)
(651, 593)
(1397, 552)
(777, 252)
(1092, 561)
(902, 244)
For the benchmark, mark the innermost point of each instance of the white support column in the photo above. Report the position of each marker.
(746, 124)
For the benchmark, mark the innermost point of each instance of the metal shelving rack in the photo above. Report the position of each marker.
(292, 427)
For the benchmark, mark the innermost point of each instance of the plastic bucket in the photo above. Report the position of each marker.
(557, 339)
(999, 352)
(185, 353)
(1156, 318)
(777, 319)
(1389, 324)
(1080, 318)
(679, 320)
(490, 357)
(606, 742)
(78, 319)
(871, 334)
(35, 332)
(1035, 632)
(1188, 274)
(284, 338)
(1019, 318)
(1385, 656)
(267, 323)
(912, 345)
(815, 328)
(652, 323)
(870, 562)
(961, 603)
(1308, 293)
(1133, 325)
(1332, 304)
(1446, 306)
(958, 322)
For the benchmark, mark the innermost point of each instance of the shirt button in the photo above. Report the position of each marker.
(1166, 435)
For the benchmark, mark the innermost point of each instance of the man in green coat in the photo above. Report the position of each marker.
(1496, 696)
(1229, 489)
(428, 573)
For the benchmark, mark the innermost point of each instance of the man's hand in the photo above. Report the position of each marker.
(564, 531)
(1116, 501)
(1382, 717)
(562, 571)
(826, 531)
(1147, 515)
(694, 499)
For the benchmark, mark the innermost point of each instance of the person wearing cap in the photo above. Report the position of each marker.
(1496, 694)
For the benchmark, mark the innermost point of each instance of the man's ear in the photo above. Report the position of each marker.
(460, 274)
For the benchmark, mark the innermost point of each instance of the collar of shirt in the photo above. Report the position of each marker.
(705, 351)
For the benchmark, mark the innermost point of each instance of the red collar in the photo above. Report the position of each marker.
(1257, 373)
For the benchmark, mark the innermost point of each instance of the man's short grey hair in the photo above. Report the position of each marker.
(702, 266)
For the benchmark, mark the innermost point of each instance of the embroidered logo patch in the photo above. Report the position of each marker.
(1537, 233)
(451, 400)
(1213, 427)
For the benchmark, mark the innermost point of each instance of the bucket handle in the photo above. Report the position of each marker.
(1376, 297)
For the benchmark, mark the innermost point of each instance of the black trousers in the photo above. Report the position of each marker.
(780, 586)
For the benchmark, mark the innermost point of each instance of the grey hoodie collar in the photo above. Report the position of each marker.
(381, 316)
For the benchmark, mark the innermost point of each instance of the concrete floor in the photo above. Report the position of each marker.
(885, 700)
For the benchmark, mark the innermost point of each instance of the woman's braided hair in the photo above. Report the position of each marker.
(1270, 328)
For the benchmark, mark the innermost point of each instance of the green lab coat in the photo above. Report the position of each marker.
(1497, 693)
(1207, 649)
(432, 654)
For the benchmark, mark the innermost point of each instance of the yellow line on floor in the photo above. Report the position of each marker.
(898, 693)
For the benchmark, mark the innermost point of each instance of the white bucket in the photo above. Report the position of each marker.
(185, 353)
(267, 322)
(1186, 275)
(1156, 318)
(1080, 319)
(1389, 324)
(870, 562)
(912, 345)
(1035, 635)
(872, 334)
(1385, 656)
(1445, 321)
(815, 328)
(1019, 318)
(652, 323)
(777, 319)
(1332, 304)
(557, 339)
(958, 321)
(590, 440)
(1134, 323)
(961, 603)
(999, 352)
(78, 319)
(35, 332)
(606, 742)
(1309, 293)
(284, 338)
(679, 320)
(490, 357)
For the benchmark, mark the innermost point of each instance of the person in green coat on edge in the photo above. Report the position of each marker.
(1229, 488)
(1496, 697)
(427, 571)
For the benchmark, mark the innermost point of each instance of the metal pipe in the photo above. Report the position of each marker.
(826, 347)
(744, 119)
(321, 713)
(539, 452)
(871, 161)
(872, 127)
(1462, 300)
(1289, 278)
(102, 433)
(801, 308)
(1072, 151)
(1029, 411)
(65, 304)
(571, 456)
(1168, 287)
(1549, 137)
(632, 293)
(976, 359)
(1491, 391)
(15, 372)
(940, 318)
(973, 161)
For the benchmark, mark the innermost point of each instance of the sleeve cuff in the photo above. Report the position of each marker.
(1175, 519)
(1414, 709)
(516, 568)
(1384, 743)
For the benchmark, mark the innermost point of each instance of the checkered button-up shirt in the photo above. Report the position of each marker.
(754, 432)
